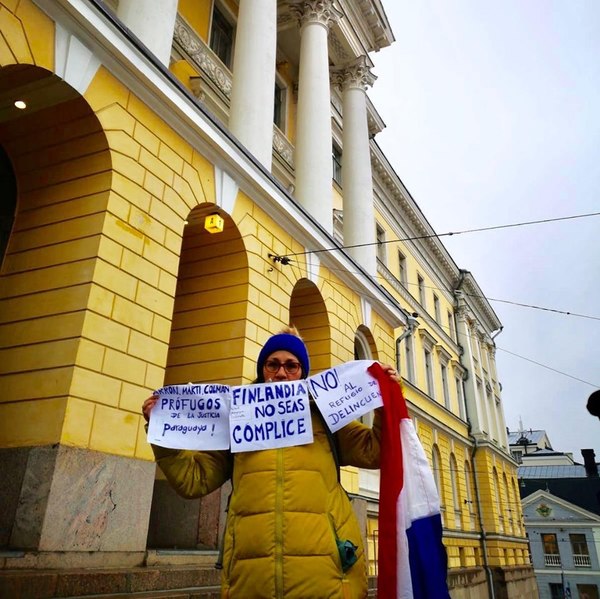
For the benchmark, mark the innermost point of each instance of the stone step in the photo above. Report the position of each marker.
(175, 582)
(213, 592)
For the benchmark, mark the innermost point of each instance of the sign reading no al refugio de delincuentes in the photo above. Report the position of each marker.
(260, 416)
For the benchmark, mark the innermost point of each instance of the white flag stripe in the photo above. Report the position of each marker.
(422, 495)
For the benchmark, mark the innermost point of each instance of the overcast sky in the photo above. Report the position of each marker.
(493, 117)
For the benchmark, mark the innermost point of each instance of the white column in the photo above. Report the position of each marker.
(313, 157)
(253, 85)
(357, 180)
(153, 23)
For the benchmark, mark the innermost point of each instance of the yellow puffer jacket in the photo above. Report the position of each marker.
(286, 512)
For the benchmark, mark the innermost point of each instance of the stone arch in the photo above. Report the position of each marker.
(207, 341)
(62, 170)
(59, 158)
(208, 329)
(309, 314)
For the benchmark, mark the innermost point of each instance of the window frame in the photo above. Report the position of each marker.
(380, 236)
(402, 273)
(336, 160)
(421, 290)
(224, 51)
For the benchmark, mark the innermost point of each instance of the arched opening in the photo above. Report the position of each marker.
(456, 499)
(364, 345)
(469, 494)
(497, 502)
(309, 314)
(208, 333)
(365, 349)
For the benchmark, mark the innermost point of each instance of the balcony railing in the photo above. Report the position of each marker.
(552, 560)
(582, 561)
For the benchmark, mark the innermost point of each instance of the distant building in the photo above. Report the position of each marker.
(561, 508)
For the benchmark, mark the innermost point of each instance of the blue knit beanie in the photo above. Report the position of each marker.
(284, 342)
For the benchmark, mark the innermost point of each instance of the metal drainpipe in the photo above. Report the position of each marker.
(486, 566)
(410, 329)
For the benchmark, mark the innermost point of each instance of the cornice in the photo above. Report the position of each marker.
(374, 15)
(419, 227)
(409, 209)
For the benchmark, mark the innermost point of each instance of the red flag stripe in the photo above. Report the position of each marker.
(391, 476)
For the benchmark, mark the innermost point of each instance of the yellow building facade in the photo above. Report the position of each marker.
(114, 150)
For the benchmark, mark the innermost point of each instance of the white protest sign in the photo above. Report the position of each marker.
(191, 417)
(269, 415)
(345, 393)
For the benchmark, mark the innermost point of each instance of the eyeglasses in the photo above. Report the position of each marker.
(290, 366)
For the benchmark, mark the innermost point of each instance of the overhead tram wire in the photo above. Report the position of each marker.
(548, 367)
(285, 260)
(497, 347)
(447, 234)
(493, 299)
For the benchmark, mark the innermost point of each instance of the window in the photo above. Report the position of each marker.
(402, 268)
(279, 109)
(496, 485)
(445, 385)
(336, 157)
(380, 232)
(455, 492)
(581, 552)
(469, 495)
(550, 545)
(421, 286)
(408, 355)
(460, 398)
(451, 325)
(437, 477)
(587, 591)
(428, 373)
(436, 308)
(362, 351)
(510, 503)
(557, 590)
(221, 37)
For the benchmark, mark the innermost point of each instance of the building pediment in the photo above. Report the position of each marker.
(543, 506)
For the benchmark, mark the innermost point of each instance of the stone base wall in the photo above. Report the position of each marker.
(468, 583)
(516, 582)
(69, 500)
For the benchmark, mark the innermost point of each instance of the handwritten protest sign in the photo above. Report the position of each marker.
(191, 417)
(269, 415)
(345, 393)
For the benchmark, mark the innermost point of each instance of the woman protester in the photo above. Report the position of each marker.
(291, 531)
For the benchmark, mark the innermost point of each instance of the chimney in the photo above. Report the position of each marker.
(589, 461)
